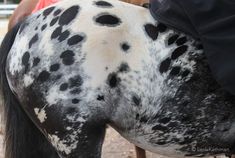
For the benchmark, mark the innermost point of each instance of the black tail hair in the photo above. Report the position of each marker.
(22, 138)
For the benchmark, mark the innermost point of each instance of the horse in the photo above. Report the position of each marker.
(70, 69)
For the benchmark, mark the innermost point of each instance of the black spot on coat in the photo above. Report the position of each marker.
(185, 73)
(57, 12)
(75, 81)
(124, 67)
(25, 60)
(113, 80)
(179, 51)
(172, 39)
(64, 35)
(103, 4)
(164, 66)
(67, 57)
(181, 41)
(36, 61)
(100, 98)
(43, 76)
(33, 40)
(125, 46)
(137, 116)
(68, 15)
(136, 100)
(151, 31)
(53, 21)
(55, 67)
(56, 32)
(106, 19)
(75, 39)
(175, 70)
(47, 11)
(64, 87)
(43, 27)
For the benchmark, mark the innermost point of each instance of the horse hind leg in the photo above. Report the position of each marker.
(74, 134)
(140, 153)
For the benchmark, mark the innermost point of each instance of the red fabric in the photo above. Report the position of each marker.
(43, 3)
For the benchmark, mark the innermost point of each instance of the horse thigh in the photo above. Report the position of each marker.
(73, 134)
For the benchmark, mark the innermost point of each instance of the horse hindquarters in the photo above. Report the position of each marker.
(22, 138)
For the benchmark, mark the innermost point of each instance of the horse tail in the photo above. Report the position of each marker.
(22, 138)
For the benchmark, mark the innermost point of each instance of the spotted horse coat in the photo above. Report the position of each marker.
(82, 64)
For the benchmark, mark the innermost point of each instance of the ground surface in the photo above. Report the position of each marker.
(114, 147)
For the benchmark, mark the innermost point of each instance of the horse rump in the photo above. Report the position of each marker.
(22, 138)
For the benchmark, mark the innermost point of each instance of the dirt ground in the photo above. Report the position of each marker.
(117, 147)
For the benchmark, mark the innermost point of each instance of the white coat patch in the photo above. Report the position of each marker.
(41, 114)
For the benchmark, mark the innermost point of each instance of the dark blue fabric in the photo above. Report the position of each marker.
(211, 21)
